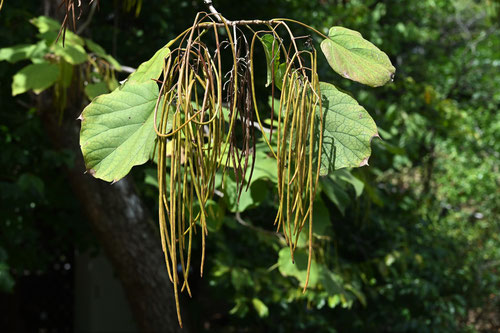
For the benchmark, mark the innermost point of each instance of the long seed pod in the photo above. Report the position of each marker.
(296, 138)
(189, 124)
(195, 139)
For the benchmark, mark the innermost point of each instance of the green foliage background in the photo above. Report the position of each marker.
(408, 244)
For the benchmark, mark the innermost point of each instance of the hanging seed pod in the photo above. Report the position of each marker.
(241, 104)
(191, 146)
(297, 141)
(194, 141)
(297, 179)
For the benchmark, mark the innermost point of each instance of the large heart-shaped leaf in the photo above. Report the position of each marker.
(117, 130)
(347, 131)
(355, 58)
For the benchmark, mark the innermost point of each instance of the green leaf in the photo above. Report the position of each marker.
(272, 51)
(150, 69)
(36, 77)
(346, 176)
(332, 282)
(69, 39)
(74, 54)
(355, 58)
(92, 90)
(260, 307)
(280, 74)
(357, 292)
(117, 130)
(96, 48)
(321, 218)
(347, 131)
(265, 168)
(255, 194)
(18, 52)
(28, 181)
(39, 53)
(335, 193)
(241, 278)
(215, 218)
(44, 24)
(49, 29)
(299, 268)
(99, 51)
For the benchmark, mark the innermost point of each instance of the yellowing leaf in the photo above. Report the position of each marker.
(355, 58)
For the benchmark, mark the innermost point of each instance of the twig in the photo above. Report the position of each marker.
(222, 19)
(128, 69)
(214, 11)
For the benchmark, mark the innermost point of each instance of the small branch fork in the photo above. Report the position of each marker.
(222, 19)
(212, 10)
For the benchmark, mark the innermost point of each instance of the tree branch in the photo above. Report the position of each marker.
(214, 11)
(223, 20)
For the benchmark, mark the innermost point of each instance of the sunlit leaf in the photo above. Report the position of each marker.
(72, 53)
(36, 77)
(260, 307)
(299, 268)
(355, 58)
(117, 130)
(347, 131)
(49, 29)
(92, 90)
(17, 52)
(44, 24)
